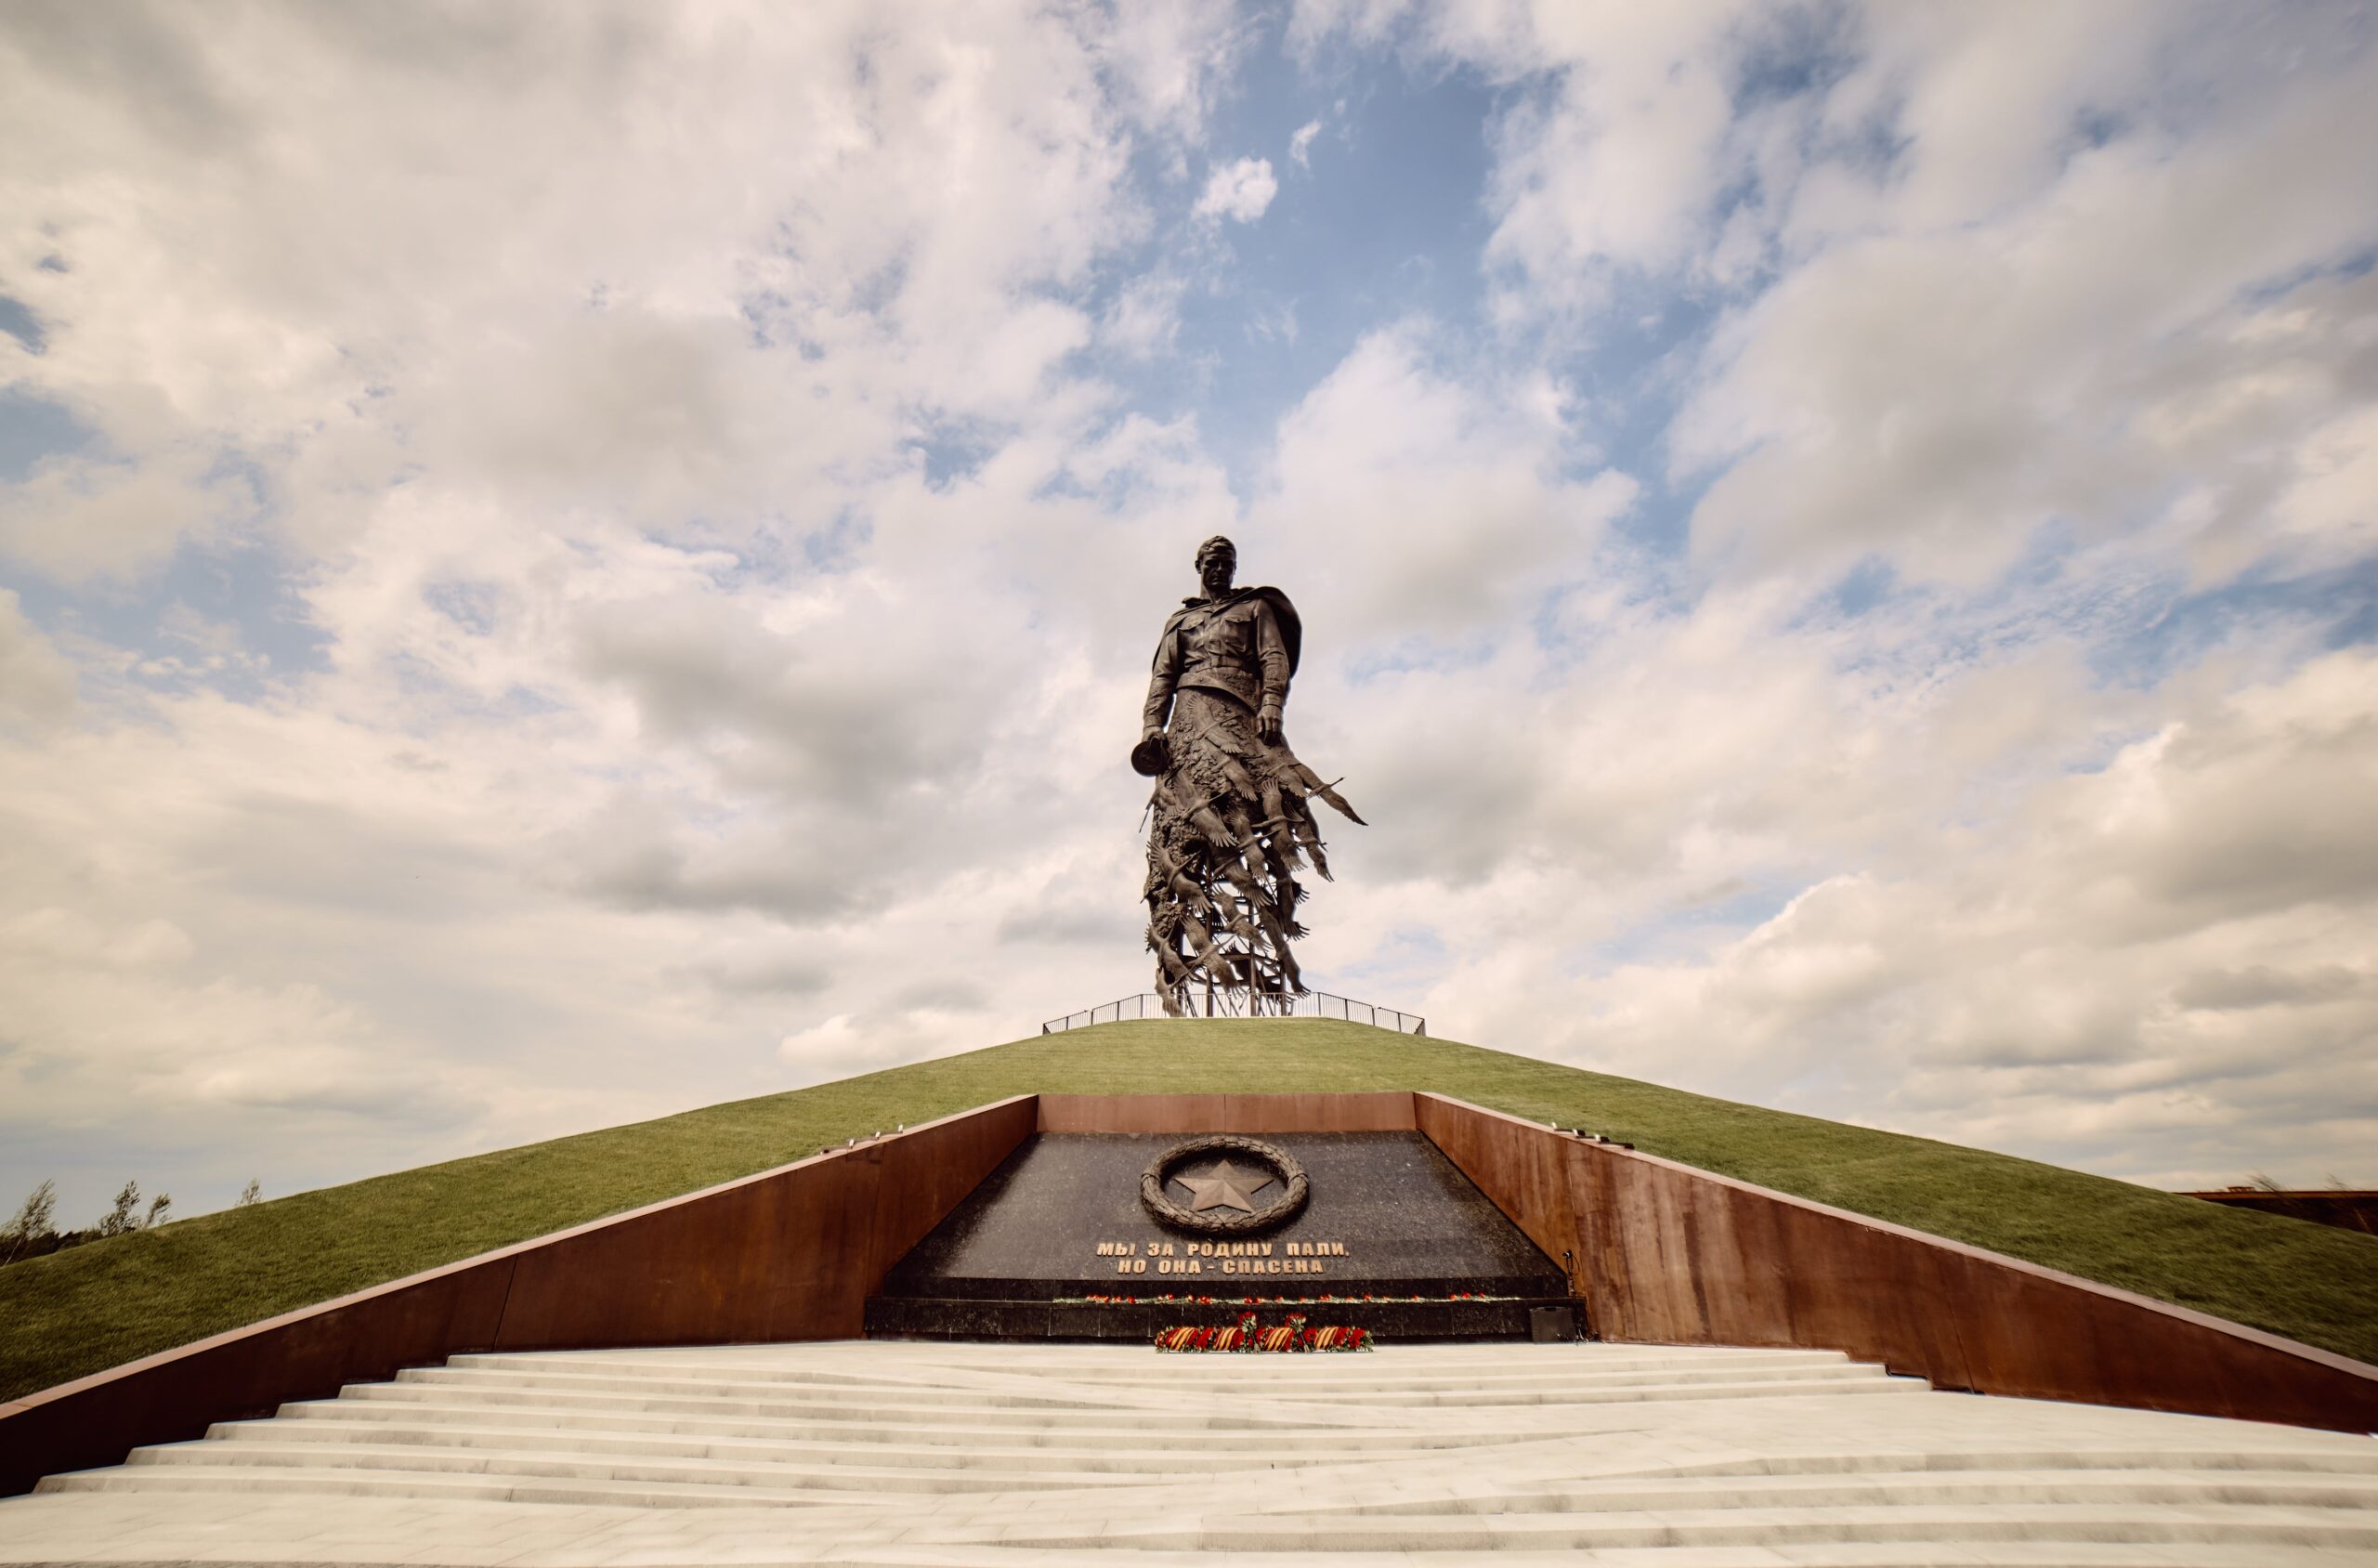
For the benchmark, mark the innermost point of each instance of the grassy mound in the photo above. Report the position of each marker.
(78, 1311)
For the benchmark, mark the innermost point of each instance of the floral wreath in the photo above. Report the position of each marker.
(1296, 1185)
(1247, 1335)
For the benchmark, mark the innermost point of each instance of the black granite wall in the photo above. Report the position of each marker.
(1061, 1219)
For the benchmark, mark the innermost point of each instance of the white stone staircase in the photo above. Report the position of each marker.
(947, 1454)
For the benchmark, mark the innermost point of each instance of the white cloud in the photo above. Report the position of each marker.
(1144, 319)
(1239, 190)
(734, 472)
(232, 292)
(1942, 395)
(551, 498)
(2162, 955)
(1942, 335)
(1171, 55)
(2327, 512)
(1424, 504)
(36, 685)
(76, 517)
(1623, 166)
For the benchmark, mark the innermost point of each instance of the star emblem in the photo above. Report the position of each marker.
(1227, 1187)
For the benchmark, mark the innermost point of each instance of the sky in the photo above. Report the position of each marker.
(561, 563)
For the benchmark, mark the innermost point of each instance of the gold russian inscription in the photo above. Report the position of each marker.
(1231, 1257)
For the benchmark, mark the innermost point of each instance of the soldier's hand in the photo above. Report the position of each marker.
(1267, 723)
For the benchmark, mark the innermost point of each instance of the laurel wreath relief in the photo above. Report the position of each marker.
(1284, 1167)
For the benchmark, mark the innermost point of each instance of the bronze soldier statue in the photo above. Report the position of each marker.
(1231, 824)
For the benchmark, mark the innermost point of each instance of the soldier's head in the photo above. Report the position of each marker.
(1217, 564)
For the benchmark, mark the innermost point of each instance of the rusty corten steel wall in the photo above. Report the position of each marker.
(2345, 1210)
(1662, 1253)
(787, 1254)
(1372, 1111)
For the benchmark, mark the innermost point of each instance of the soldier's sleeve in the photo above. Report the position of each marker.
(1162, 678)
(1272, 653)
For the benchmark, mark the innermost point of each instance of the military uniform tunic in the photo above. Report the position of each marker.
(1233, 644)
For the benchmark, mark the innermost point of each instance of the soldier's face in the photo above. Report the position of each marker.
(1215, 569)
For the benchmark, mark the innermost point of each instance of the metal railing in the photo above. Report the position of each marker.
(1312, 1004)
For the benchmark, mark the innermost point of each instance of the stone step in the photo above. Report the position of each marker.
(1318, 1374)
(1904, 1488)
(567, 1478)
(724, 1384)
(720, 1384)
(2202, 1472)
(444, 1488)
(936, 1433)
(2362, 1461)
(747, 1471)
(1152, 1455)
(1563, 1390)
(1374, 1372)
(1845, 1554)
(919, 1410)
(2243, 1526)
(1242, 1416)
(1003, 1456)
(899, 1357)
(752, 1480)
(1542, 1481)
(1382, 1365)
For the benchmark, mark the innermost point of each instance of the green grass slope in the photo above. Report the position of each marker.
(78, 1311)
